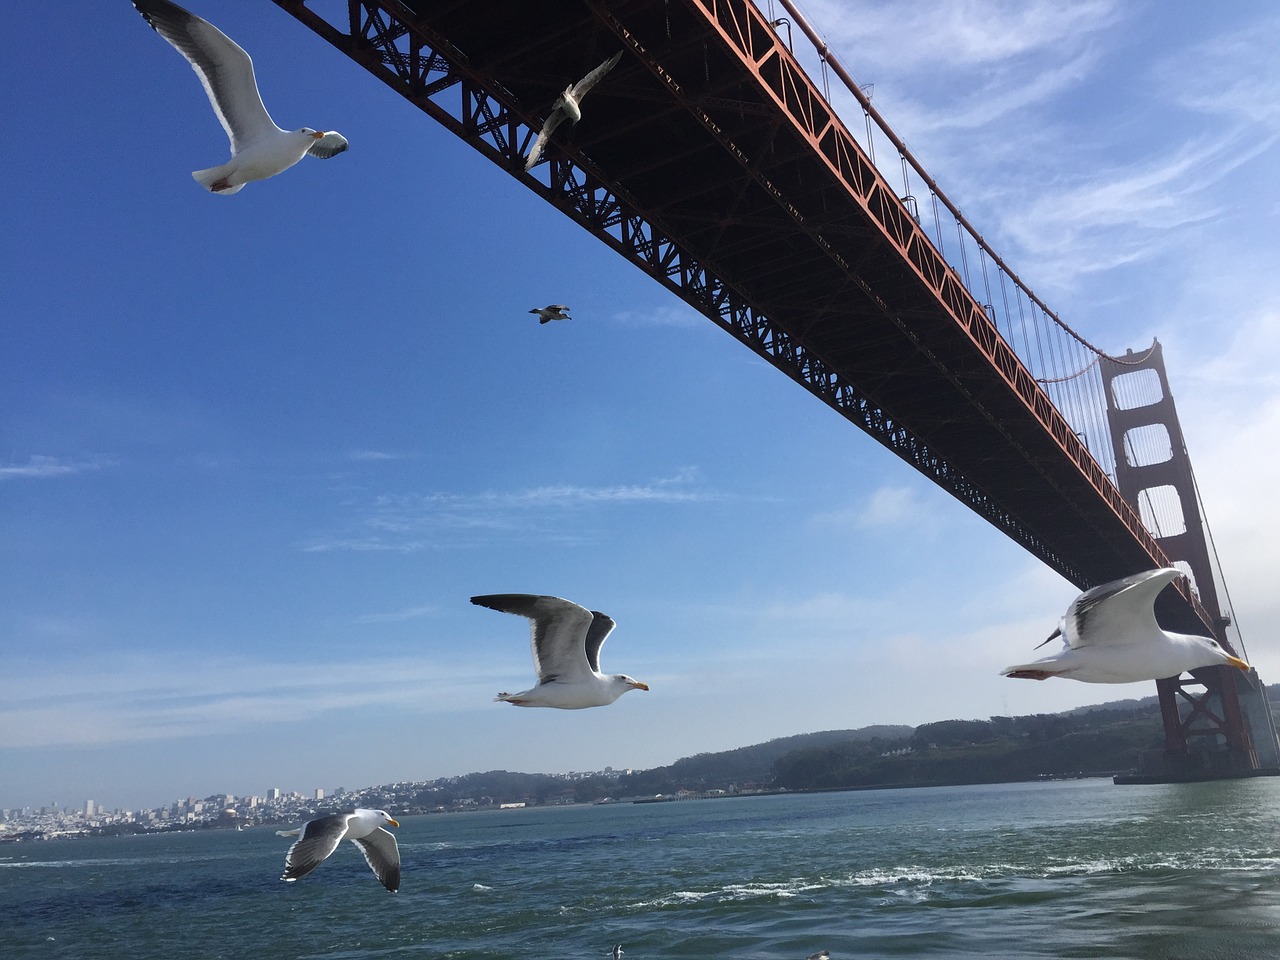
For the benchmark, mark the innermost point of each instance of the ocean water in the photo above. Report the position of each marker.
(1066, 869)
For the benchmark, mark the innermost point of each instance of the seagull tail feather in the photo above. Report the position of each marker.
(1028, 671)
(211, 175)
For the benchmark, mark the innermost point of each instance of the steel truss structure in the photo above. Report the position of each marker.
(717, 167)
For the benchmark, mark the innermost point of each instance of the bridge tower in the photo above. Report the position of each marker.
(1217, 721)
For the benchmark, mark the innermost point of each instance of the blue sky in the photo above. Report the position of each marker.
(256, 452)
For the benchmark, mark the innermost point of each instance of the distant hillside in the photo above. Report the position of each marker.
(1002, 749)
(1100, 739)
(747, 765)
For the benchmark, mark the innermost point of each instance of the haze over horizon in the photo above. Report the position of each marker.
(258, 451)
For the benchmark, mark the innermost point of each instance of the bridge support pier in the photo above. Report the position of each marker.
(1217, 721)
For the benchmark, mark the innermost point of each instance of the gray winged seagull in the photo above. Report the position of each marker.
(566, 640)
(259, 148)
(569, 106)
(319, 838)
(552, 311)
(1110, 635)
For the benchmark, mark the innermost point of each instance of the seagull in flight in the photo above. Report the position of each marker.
(553, 311)
(568, 105)
(616, 952)
(566, 642)
(364, 828)
(259, 149)
(1110, 635)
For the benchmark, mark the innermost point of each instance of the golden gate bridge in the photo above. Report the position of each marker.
(717, 165)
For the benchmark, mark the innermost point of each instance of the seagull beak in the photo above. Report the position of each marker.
(394, 823)
(318, 135)
(1239, 664)
(640, 686)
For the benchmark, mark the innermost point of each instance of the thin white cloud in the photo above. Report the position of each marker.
(40, 467)
(1235, 75)
(149, 699)
(413, 522)
(923, 35)
(1122, 215)
(396, 616)
(893, 507)
(373, 455)
(669, 315)
(886, 507)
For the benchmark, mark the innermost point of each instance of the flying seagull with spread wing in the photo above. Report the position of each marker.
(553, 311)
(566, 641)
(569, 106)
(259, 148)
(319, 838)
(1110, 635)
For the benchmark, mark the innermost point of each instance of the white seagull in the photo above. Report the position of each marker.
(569, 105)
(553, 311)
(566, 653)
(259, 149)
(1110, 635)
(319, 838)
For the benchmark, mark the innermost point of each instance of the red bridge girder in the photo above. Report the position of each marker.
(714, 164)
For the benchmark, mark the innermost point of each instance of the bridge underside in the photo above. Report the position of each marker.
(708, 159)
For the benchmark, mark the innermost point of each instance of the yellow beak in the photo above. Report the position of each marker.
(640, 686)
(394, 823)
(1239, 664)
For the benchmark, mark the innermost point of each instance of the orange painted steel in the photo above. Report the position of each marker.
(710, 160)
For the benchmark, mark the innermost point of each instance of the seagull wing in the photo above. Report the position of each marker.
(224, 69)
(597, 633)
(330, 145)
(548, 128)
(383, 855)
(558, 632)
(319, 839)
(591, 79)
(1116, 613)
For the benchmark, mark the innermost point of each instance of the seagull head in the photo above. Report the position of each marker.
(1214, 654)
(629, 683)
(380, 816)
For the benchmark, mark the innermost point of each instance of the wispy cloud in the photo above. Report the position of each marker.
(95, 703)
(966, 33)
(373, 455)
(1235, 75)
(40, 467)
(396, 616)
(1060, 205)
(886, 507)
(408, 523)
(669, 315)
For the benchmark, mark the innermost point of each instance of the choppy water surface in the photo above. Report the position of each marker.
(1071, 869)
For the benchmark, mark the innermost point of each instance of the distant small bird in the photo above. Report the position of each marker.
(566, 641)
(319, 838)
(553, 311)
(1110, 635)
(617, 952)
(820, 955)
(259, 148)
(568, 104)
